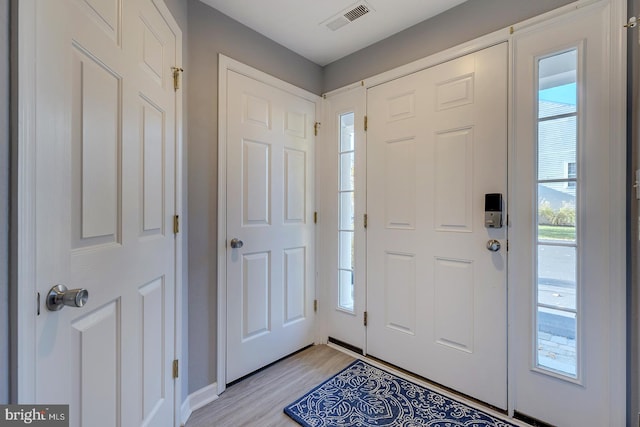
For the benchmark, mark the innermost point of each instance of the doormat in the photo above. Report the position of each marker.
(364, 396)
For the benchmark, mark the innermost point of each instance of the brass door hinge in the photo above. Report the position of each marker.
(366, 123)
(366, 220)
(366, 318)
(176, 224)
(315, 305)
(175, 368)
(315, 217)
(176, 77)
(316, 126)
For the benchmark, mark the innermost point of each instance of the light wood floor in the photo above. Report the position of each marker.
(260, 399)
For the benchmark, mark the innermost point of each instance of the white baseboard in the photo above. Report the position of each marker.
(197, 400)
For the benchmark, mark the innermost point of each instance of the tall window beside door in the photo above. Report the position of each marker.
(558, 171)
(346, 212)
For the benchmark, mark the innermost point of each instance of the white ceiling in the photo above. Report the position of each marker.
(300, 25)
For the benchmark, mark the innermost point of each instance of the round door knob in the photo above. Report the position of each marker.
(236, 243)
(493, 245)
(59, 296)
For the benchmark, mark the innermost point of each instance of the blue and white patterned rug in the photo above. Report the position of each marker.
(362, 395)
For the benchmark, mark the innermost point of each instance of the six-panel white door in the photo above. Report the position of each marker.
(436, 297)
(105, 157)
(270, 179)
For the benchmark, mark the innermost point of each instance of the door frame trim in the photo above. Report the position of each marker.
(23, 216)
(226, 64)
(23, 383)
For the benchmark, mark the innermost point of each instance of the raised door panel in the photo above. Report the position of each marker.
(256, 295)
(153, 356)
(96, 340)
(256, 183)
(153, 167)
(400, 184)
(96, 151)
(295, 284)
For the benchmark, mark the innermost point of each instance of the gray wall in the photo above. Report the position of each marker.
(465, 22)
(210, 33)
(4, 197)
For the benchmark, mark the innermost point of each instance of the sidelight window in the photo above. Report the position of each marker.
(558, 185)
(346, 212)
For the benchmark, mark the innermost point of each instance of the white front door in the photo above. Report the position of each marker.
(436, 296)
(270, 199)
(105, 146)
(568, 221)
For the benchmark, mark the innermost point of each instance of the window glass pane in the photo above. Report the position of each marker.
(557, 101)
(346, 171)
(557, 212)
(346, 250)
(557, 350)
(557, 84)
(557, 276)
(557, 240)
(556, 147)
(345, 294)
(346, 210)
(346, 132)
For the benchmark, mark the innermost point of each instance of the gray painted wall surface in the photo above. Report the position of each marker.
(210, 33)
(4, 197)
(179, 11)
(451, 28)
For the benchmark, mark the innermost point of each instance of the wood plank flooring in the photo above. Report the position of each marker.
(260, 399)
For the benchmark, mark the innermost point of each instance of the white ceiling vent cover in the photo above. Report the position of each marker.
(356, 12)
(347, 16)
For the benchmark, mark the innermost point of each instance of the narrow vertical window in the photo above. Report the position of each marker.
(558, 172)
(346, 212)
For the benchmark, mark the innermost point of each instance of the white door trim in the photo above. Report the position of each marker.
(25, 331)
(226, 64)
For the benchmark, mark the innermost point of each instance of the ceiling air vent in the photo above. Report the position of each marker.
(356, 12)
(347, 16)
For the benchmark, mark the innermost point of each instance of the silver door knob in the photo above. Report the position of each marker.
(493, 245)
(59, 296)
(236, 243)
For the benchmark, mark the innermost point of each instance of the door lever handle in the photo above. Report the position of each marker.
(59, 296)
